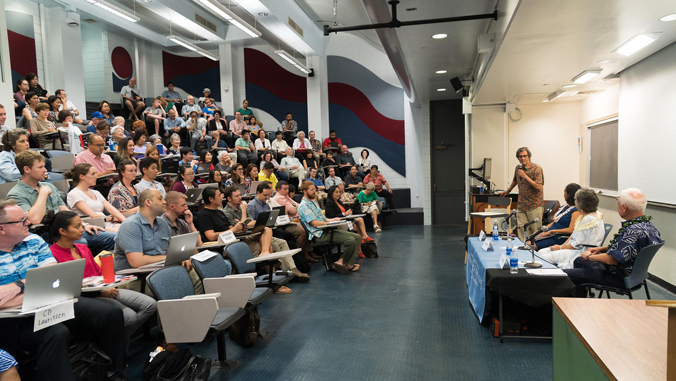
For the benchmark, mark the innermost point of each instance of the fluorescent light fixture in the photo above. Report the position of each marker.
(603, 62)
(192, 47)
(439, 36)
(290, 59)
(585, 76)
(568, 86)
(574, 93)
(441, 89)
(668, 17)
(636, 43)
(441, 72)
(555, 95)
(545, 101)
(219, 10)
(115, 10)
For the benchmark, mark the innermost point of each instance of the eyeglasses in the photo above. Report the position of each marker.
(520, 156)
(22, 221)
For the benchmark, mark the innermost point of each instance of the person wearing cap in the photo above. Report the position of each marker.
(207, 94)
(97, 116)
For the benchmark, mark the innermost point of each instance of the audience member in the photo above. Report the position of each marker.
(267, 174)
(332, 180)
(376, 178)
(3, 119)
(167, 105)
(140, 146)
(32, 79)
(149, 171)
(352, 180)
(175, 147)
(237, 125)
(41, 126)
(94, 120)
(125, 151)
(236, 175)
(224, 162)
(87, 202)
(289, 125)
(245, 111)
(254, 126)
(345, 160)
(198, 129)
(283, 198)
(328, 162)
(269, 157)
(301, 143)
(171, 95)
(55, 104)
(309, 161)
(314, 180)
(32, 101)
(279, 146)
(206, 94)
(103, 164)
(118, 121)
(133, 100)
(611, 264)
(369, 204)
(335, 208)
(123, 196)
(185, 179)
(20, 95)
(209, 108)
(312, 217)
(104, 108)
(316, 146)
(563, 223)
(250, 175)
(189, 107)
(293, 165)
(174, 124)
(178, 215)
(138, 125)
(68, 105)
(332, 141)
(262, 144)
(364, 161)
(154, 115)
(245, 149)
(216, 123)
(13, 142)
(117, 134)
(215, 177)
(206, 158)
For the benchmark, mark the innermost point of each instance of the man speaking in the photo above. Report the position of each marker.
(531, 180)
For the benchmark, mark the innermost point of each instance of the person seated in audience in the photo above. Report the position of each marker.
(292, 232)
(149, 170)
(140, 146)
(352, 180)
(250, 175)
(246, 151)
(216, 177)
(312, 217)
(301, 143)
(153, 153)
(173, 123)
(170, 95)
(185, 179)
(247, 114)
(369, 204)
(88, 202)
(224, 162)
(206, 94)
(209, 108)
(3, 119)
(13, 142)
(68, 105)
(289, 128)
(154, 114)
(309, 161)
(269, 157)
(103, 130)
(207, 158)
(96, 117)
(364, 162)
(332, 180)
(197, 128)
(332, 141)
(253, 126)
(335, 208)
(93, 155)
(20, 92)
(237, 125)
(218, 141)
(293, 165)
(267, 173)
(262, 144)
(8, 366)
(32, 101)
(137, 125)
(133, 100)
(64, 231)
(328, 162)
(189, 107)
(279, 146)
(377, 179)
(167, 105)
(347, 198)
(283, 198)
(345, 160)
(236, 175)
(123, 196)
(312, 172)
(116, 134)
(41, 125)
(589, 230)
(21, 251)
(563, 222)
(33, 81)
(125, 151)
(55, 104)
(316, 146)
(187, 158)
(178, 215)
(118, 121)
(175, 147)
(104, 108)
(609, 265)
(216, 123)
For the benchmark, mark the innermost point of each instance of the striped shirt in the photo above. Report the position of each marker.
(6, 361)
(28, 254)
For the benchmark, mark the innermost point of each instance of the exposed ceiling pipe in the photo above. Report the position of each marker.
(395, 23)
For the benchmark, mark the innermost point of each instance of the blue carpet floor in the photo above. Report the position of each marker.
(403, 316)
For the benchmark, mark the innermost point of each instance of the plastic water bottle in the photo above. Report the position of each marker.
(495, 231)
(513, 260)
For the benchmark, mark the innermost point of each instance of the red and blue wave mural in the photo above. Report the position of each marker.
(123, 68)
(275, 90)
(192, 74)
(21, 38)
(366, 111)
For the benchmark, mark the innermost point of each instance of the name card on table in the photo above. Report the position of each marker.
(54, 314)
(503, 260)
(226, 237)
(283, 220)
(204, 255)
(488, 245)
(482, 235)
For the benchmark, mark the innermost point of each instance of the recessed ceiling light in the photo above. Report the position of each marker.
(439, 36)
(441, 89)
(441, 72)
(668, 17)
(585, 76)
(636, 43)
(602, 62)
(568, 86)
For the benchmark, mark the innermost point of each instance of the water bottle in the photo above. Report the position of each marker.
(110, 145)
(495, 231)
(513, 259)
(114, 146)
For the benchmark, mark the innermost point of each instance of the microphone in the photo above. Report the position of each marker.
(543, 229)
(529, 223)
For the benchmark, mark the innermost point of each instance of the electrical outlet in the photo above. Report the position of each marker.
(417, 197)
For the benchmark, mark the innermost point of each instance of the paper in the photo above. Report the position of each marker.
(503, 260)
(482, 235)
(204, 255)
(546, 272)
(54, 314)
(226, 237)
(282, 220)
(488, 245)
(350, 226)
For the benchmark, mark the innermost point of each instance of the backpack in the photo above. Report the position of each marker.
(179, 366)
(201, 146)
(370, 249)
(89, 363)
(245, 330)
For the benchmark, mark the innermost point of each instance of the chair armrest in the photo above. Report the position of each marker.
(187, 320)
(233, 291)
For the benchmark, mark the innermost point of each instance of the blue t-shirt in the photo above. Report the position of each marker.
(28, 254)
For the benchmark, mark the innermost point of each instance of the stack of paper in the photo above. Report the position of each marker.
(546, 272)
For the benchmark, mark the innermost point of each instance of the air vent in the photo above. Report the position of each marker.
(295, 27)
(205, 23)
(89, 21)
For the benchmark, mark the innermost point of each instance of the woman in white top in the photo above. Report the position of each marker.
(262, 144)
(589, 230)
(364, 161)
(301, 142)
(88, 202)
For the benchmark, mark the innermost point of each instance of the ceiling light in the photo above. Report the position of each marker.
(219, 10)
(636, 43)
(292, 61)
(115, 10)
(441, 72)
(441, 89)
(603, 62)
(555, 95)
(568, 86)
(439, 36)
(574, 93)
(585, 76)
(668, 17)
(192, 47)
(545, 101)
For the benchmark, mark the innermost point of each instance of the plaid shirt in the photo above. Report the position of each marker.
(28, 254)
(310, 211)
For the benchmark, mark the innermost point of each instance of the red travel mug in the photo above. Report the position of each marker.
(108, 268)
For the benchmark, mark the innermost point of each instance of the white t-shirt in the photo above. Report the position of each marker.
(69, 106)
(262, 146)
(76, 195)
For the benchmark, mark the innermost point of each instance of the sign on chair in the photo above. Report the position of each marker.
(226, 237)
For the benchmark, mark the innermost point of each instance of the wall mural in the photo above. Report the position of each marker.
(275, 90)
(366, 111)
(123, 68)
(192, 74)
(21, 36)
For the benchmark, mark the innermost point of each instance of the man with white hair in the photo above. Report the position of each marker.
(609, 265)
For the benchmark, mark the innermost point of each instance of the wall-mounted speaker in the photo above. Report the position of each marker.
(457, 85)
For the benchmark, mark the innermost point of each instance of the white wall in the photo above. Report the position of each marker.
(6, 86)
(94, 49)
(489, 136)
(66, 69)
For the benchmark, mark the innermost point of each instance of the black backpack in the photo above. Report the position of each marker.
(245, 330)
(370, 249)
(179, 366)
(89, 363)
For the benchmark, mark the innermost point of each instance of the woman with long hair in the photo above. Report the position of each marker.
(125, 150)
(269, 156)
(123, 195)
(13, 142)
(104, 108)
(335, 208)
(88, 202)
(34, 84)
(54, 103)
(185, 179)
(155, 154)
(216, 177)
(32, 101)
(236, 175)
(250, 175)
(207, 158)
(20, 95)
(140, 137)
(252, 125)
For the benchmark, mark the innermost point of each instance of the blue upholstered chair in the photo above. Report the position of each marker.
(238, 253)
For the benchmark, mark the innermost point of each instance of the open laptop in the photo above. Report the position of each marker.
(181, 248)
(203, 168)
(282, 209)
(193, 194)
(207, 185)
(51, 284)
(265, 219)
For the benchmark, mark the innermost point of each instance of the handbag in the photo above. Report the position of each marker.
(370, 249)
(245, 330)
(179, 366)
(89, 363)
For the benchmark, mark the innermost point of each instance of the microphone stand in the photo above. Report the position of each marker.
(532, 264)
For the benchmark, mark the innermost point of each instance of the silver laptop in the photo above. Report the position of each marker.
(193, 194)
(181, 248)
(253, 187)
(207, 185)
(51, 284)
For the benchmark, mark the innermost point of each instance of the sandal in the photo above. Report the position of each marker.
(284, 290)
(340, 269)
(367, 239)
(377, 229)
(361, 254)
(355, 267)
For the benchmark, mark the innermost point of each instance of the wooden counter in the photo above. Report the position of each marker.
(478, 204)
